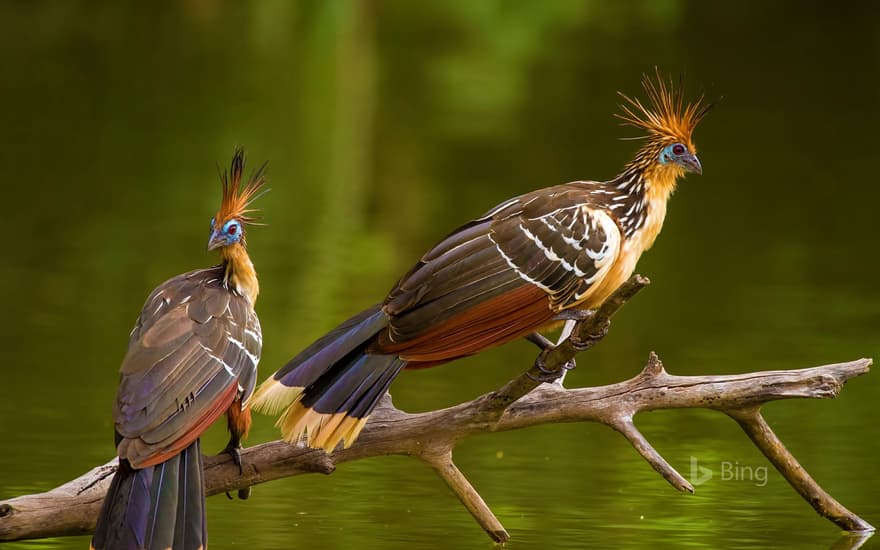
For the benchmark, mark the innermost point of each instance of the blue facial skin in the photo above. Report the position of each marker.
(678, 153)
(668, 154)
(232, 231)
(229, 234)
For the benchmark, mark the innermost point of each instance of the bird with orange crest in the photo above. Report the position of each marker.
(526, 264)
(192, 357)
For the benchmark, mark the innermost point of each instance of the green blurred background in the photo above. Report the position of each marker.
(387, 124)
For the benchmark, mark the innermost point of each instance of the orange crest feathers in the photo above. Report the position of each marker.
(667, 116)
(237, 197)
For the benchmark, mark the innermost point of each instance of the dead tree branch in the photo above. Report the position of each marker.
(430, 437)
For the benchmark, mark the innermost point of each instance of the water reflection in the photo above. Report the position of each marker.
(387, 124)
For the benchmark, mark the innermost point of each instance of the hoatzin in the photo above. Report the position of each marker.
(191, 357)
(506, 274)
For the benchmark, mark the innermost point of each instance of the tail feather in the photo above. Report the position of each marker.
(310, 364)
(191, 516)
(328, 390)
(284, 387)
(355, 386)
(161, 506)
(336, 407)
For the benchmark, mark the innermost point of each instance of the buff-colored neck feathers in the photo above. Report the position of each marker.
(666, 117)
(240, 273)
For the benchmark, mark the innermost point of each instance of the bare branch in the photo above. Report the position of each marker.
(73, 507)
(469, 497)
(628, 429)
(753, 423)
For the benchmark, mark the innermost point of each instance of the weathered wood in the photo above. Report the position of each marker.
(430, 437)
(72, 508)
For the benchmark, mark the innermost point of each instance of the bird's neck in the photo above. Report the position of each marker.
(639, 201)
(240, 274)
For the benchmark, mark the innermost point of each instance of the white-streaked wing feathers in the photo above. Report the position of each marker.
(564, 251)
(194, 339)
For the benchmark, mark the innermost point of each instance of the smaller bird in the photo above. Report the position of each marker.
(192, 356)
(515, 270)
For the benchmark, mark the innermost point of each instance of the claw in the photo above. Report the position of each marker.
(539, 363)
(234, 450)
(592, 339)
(546, 375)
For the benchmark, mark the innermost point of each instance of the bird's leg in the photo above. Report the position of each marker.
(544, 374)
(540, 340)
(238, 422)
(549, 375)
(571, 318)
(574, 315)
(233, 448)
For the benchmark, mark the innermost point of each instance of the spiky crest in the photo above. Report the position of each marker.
(237, 197)
(667, 117)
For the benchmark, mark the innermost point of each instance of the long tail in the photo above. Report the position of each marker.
(161, 506)
(327, 391)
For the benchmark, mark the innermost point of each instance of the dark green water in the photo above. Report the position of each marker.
(389, 123)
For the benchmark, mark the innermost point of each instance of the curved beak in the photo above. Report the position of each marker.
(691, 163)
(216, 241)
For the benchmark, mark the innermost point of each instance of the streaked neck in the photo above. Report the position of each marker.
(659, 181)
(240, 273)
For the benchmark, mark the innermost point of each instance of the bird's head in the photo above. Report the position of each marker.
(678, 155)
(669, 123)
(228, 225)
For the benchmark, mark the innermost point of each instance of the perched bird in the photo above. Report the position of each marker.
(506, 274)
(192, 356)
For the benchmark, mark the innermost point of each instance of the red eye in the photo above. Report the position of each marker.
(232, 229)
(678, 149)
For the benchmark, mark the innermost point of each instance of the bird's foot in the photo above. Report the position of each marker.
(574, 315)
(234, 450)
(548, 376)
(591, 339)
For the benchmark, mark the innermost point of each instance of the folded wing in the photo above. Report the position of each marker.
(193, 351)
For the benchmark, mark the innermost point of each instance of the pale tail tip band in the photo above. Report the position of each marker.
(272, 397)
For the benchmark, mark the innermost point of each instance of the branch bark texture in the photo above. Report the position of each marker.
(72, 508)
(430, 437)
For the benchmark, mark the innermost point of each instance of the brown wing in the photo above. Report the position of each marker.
(193, 351)
(502, 275)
